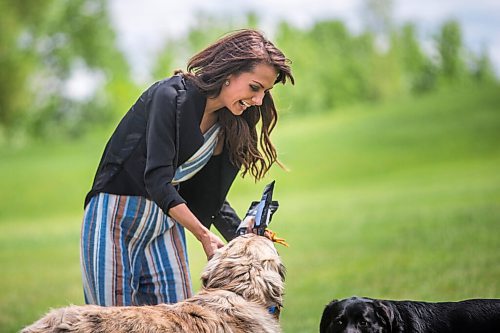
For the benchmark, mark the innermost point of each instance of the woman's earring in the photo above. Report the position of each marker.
(226, 83)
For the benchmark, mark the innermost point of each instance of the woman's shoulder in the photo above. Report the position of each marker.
(177, 91)
(169, 85)
(164, 91)
(177, 81)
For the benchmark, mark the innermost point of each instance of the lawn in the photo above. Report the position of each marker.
(399, 200)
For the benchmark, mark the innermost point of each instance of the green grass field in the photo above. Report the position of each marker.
(400, 201)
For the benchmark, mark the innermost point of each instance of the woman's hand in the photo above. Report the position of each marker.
(186, 218)
(210, 243)
(248, 223)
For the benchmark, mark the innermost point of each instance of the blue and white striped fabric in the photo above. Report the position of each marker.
(131, 252)
(194, 164)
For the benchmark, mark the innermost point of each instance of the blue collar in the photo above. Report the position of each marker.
(272, 309)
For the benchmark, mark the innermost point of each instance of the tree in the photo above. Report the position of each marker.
(482, 67)
(175, 53)
(450, 48)
(378, 16)
(42, 46)
(418, 70)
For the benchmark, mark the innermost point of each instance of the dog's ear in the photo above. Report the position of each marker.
(326, 317)
(210, 267)
(276, 266)
(386, 314)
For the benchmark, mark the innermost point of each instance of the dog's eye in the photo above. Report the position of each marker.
(363, 323)
(339, 322)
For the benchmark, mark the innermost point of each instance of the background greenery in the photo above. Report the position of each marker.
(46, 48)
(393, 189)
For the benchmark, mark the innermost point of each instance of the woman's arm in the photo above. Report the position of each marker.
(161, 147)
(227, 221)
(187, 219)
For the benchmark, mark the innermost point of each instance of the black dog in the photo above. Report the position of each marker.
(366, 315)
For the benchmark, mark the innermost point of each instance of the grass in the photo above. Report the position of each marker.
(400, 200)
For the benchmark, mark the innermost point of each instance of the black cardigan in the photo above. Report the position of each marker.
(159, 132)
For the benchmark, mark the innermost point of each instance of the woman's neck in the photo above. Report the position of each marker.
(210, 115)
(212, 105)
(208, 120)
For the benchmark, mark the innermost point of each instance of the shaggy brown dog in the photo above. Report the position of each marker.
(241, 285)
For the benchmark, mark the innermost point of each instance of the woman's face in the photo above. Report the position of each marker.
(248, 88)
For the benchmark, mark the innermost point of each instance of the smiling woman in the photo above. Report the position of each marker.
(241, 91)
(169, 166)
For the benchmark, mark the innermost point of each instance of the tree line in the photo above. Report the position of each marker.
(336, 67)
(43, 45)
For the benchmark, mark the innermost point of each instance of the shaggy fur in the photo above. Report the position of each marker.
(367, 315)
(239, 284)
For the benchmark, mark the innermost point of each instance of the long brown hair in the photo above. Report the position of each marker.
(235, 53)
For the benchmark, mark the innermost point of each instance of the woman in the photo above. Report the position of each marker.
(169, 166)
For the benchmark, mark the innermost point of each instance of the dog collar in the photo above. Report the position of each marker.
(272, 309)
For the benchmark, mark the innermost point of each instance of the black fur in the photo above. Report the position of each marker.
(367, 315)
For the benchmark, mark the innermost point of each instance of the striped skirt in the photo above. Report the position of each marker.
(132, 253)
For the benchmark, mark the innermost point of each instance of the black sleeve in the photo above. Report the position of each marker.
(227, 221)
(161, 147)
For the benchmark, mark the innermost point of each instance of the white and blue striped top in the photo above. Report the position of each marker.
(194, 164)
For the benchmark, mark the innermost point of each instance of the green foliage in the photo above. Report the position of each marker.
(449, 45)
(420, 73)
(482, 68)
(176, 52)
(331, 68)
(16, 62)
(335, 67)
(378, 16)
(42, 47)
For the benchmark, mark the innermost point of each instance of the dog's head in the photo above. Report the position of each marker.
(249, 266)
(357, 315)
